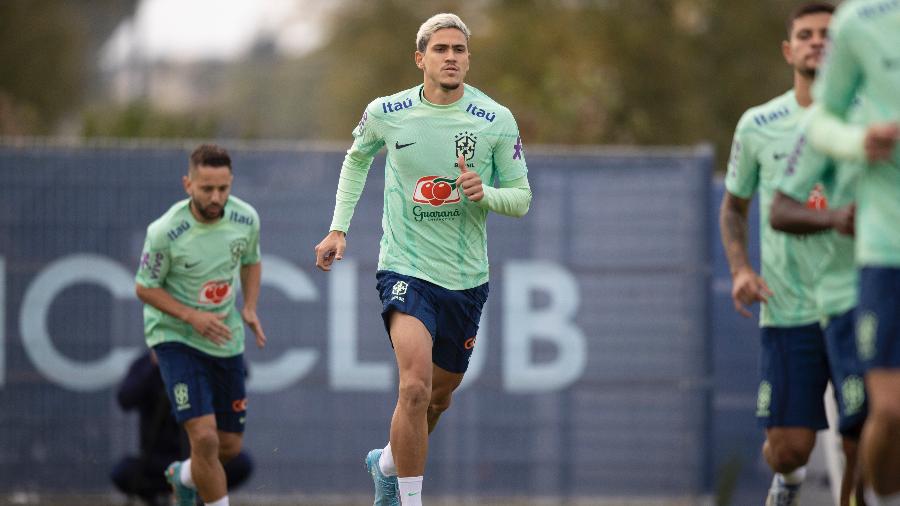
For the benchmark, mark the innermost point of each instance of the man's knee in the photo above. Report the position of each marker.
(439, 403)
(229, 447)
(785, 455)
(415, 393)
(204, 441)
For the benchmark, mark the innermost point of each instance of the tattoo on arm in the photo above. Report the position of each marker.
(733, 228)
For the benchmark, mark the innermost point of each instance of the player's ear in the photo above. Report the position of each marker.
(786, 51)
(419, 57)
(186, 182)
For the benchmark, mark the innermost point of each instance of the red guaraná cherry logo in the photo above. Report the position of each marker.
(214, 292)
(817, 200)
(436, 191)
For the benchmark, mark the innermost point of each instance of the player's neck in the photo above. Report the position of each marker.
(438, 95)
(803, 89)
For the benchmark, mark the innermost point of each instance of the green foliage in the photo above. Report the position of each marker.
(139, 119)
(43, 60)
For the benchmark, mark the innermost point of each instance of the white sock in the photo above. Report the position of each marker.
(221, 502)
(386, 462)
(186, 479)
(794, 477)
(410, 490)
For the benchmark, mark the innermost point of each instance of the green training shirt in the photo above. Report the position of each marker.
(864, 60)
(836, 282)
(763, 141)
(199, 264)
(431, 230)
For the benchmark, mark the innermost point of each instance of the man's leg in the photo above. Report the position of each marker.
(238, 470)
(443, 384)
(206, 469)
(409, 425)
(788, 448)
(880, 445)
(851, 473)
(795, 373)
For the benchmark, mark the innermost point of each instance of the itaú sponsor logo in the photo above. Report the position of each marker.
(214, 292)
(436, 191)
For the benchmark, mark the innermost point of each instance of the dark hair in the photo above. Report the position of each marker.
(210, 155)
(805, 10)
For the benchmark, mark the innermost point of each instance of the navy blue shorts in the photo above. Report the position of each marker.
(846, 373)
(878, 318)
(451, 316)
(199, 384)
(794, 373)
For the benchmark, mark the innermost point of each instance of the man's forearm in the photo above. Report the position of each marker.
(793, 217)
(163, 300)
(351, 182)
(251, 277)
(509, 200)
(733, 228)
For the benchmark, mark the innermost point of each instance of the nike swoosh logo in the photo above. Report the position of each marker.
(191, 266)
(410, 494)
(780, 156)
(397, 145)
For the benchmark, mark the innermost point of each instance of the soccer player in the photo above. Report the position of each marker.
(446, 142)
(831, 214)
(794, 365)
(865, 61)
(143, 475)
(191, 261)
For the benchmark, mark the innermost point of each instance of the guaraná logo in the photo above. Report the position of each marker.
(436, 191)
(214, 292)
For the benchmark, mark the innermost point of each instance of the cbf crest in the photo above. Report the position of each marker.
(238, 247)
(465, 145)
(399, 290)
(181, 397)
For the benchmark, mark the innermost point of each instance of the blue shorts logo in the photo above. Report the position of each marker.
(181, 397)
(399, 290)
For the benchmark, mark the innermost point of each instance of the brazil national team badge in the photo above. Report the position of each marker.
(465, 145)
(764, 399)
(181, 397)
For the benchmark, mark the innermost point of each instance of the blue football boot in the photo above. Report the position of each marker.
(183, 495)
(386, 488)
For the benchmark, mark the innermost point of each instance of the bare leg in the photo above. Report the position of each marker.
(880, 444)
(409, 425)
(848, 481)
(787, 448)
(206, 469)
(443, 384)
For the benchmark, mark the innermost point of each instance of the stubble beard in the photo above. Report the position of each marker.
(205, 212)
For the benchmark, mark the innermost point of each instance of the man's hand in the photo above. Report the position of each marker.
(210, 326)
(843, 220)
(330, 249)
(880, 141)
(252, 321)
(748, 287)
(469, 182)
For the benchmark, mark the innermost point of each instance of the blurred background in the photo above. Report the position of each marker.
(611, 367)
(583, 72)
